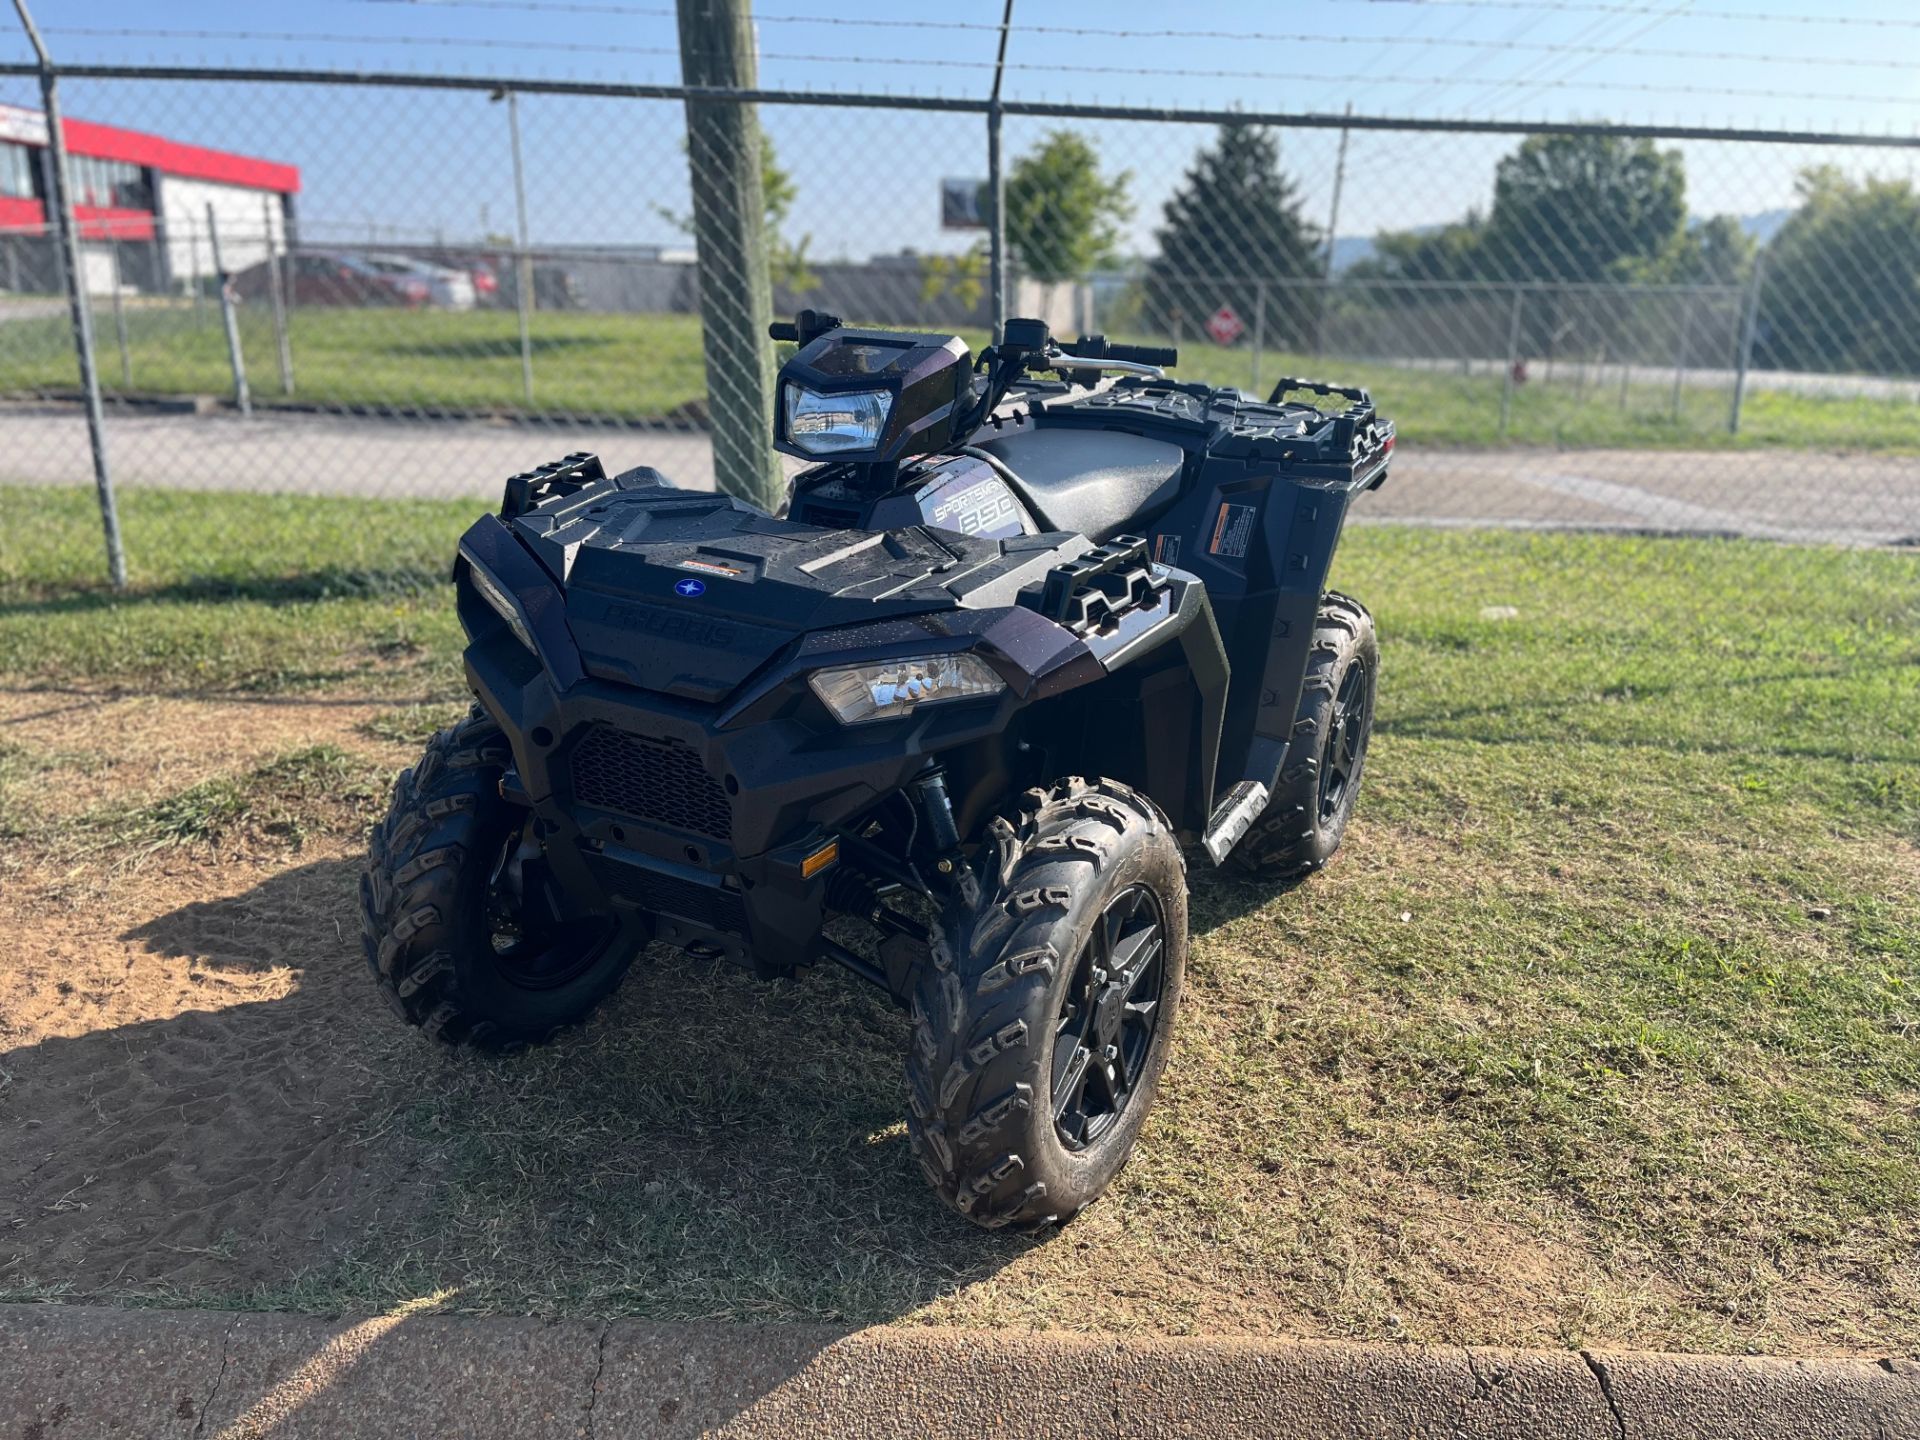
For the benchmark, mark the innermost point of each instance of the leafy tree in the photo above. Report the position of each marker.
(1579, 208)
(963, 276)
(1234, 222)
(1452, 252)
(1063, 215)
(786, 260)
(1583, 208)
(1841, 284)
(1714, 252)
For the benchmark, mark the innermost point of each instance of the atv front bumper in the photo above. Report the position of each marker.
(713, 818)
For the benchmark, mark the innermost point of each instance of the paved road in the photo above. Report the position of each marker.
(1774, 494)
(73, 1373)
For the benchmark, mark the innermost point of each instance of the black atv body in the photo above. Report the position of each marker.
(1128, 585)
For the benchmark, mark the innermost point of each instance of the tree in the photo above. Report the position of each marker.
(1063, 215)
(963, 276)
(1583, 208)
(1450, 252)
(1841, 284)
(786, 260)
(1233, 224)
(1577, 208)
(1713, 252)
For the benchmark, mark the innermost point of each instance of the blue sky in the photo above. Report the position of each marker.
(603, 171)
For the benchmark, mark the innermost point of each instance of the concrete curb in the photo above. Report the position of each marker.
(71, 1372)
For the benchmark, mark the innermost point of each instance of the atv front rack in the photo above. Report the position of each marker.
(549, 481)
(1094, 591)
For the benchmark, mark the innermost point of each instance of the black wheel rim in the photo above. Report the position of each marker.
(1347, 732)
(1103, 1034)
(533, 943)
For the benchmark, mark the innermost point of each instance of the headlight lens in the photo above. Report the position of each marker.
(833, 424)
(858, 693)
(502, 600)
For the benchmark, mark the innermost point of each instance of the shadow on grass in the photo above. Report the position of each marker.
(706, 1147)
(506, 347)
(327, 583)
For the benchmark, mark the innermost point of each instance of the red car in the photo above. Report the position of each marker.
(320, 277)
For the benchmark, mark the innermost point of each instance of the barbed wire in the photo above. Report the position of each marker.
(946, 63)
(1543, 7)
(1606, 7)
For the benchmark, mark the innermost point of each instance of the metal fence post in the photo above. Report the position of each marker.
(77, 309)
(997, 187)
(1680, 351)
(193, 267)
(1513, 357)
(242, 397)
(1749, 323)
(277, 297)
(120, 317)
(1260, 327)
(730, 236)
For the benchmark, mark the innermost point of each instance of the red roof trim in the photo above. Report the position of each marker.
(99, 223)
(96, 222)
(16, 214)
(170, 157)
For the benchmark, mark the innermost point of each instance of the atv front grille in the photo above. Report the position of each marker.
(651, 779)
(712, 907)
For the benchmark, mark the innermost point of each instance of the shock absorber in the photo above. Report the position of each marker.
(931, 790)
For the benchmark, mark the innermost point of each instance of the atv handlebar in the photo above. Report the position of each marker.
(1144, 354)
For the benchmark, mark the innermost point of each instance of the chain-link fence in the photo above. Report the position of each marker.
(436, 284)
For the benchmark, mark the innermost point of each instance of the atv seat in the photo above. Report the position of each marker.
(1097, 483)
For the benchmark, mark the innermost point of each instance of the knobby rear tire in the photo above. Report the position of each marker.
(1294, 836)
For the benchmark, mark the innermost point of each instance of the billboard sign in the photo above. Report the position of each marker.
(961, 206)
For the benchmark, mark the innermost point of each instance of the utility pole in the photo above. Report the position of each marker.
(68, 231)
(523, 259)
(730, 236)
(997, 184)
(1333, 231)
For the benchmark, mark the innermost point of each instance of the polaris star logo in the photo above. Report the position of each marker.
(690, 587)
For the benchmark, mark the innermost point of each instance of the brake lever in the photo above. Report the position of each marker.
(1061, 360)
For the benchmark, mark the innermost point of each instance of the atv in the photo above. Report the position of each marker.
(1013, 643)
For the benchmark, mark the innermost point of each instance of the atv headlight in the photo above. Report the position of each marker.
(858, 693)
(833, 424)
(503, 601)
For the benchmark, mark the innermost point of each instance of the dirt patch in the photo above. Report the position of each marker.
(91, 749)
(187, 1044)
(202, 1097)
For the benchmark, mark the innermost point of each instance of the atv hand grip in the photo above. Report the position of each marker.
(783, 330)
(1144, 354)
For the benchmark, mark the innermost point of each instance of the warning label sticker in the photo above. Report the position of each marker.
(713, 567)
(1232, 531)
(1166, 549)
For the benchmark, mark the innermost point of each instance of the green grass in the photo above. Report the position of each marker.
(303, 592)
(1603, 1029)
(645, 367)
(285, 801)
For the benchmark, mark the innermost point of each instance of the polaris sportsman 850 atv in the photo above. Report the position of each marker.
(1013, 643)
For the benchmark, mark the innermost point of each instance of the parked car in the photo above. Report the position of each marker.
(329, 277)
(338, 277)
(447, 288)
(486, 282)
